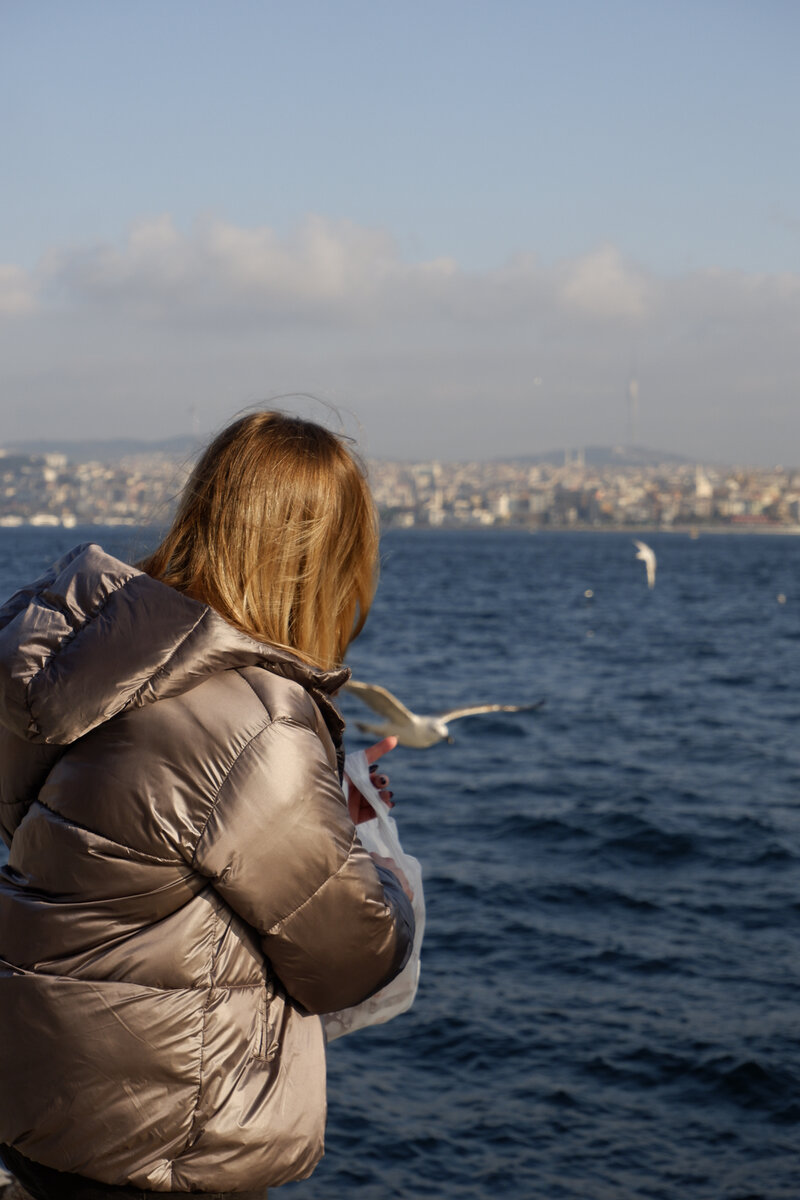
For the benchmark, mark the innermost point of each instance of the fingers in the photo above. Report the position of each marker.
(360, 809)
(373, 753)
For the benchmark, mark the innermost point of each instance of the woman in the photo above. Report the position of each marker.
(185, 888)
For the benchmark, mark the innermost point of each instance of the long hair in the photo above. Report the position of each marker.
(276, 529)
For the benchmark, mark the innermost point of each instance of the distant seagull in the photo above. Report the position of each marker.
(411, 729)
(649, 559)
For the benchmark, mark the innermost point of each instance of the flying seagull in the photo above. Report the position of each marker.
(649, 559)
(409, 728)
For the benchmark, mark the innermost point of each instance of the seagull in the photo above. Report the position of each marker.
(409, 728)
(649, 559)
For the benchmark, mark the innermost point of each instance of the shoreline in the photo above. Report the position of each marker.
(691, 531)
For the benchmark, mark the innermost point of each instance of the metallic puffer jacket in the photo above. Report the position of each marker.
(185, 888)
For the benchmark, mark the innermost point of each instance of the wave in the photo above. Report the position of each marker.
(744, 1082)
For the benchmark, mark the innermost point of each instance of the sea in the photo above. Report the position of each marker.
(609, 1003)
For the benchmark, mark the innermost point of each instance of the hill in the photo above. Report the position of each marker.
(108, 450)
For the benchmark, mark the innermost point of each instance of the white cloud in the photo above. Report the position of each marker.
(336, 269)
(602, 285)
(17, 292)
(435, 359)
(322, 267)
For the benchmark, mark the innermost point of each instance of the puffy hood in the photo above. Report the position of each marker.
(95, 636)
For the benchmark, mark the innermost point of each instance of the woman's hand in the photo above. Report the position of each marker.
(360, 809)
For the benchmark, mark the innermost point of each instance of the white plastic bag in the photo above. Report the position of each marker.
(379, 836)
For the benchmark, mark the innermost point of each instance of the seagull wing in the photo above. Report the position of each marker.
(380, 700)
(453, 714)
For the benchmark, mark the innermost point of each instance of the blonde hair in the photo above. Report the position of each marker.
(276, 529)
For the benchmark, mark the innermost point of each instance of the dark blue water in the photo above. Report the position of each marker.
(609, 1006)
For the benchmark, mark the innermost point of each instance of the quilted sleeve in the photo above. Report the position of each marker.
(280, 848)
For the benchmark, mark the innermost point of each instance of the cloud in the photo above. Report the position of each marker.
(602, 285)
(435, 359)
(322, 268)
(326, 269)
(17, 292)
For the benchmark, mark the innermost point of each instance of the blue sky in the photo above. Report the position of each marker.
(648, 149)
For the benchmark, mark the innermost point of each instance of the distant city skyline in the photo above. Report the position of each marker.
(603, 490)
(472, 229)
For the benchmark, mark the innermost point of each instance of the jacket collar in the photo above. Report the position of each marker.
(95, 636)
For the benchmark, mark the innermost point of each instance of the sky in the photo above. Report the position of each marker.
(462, 226)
